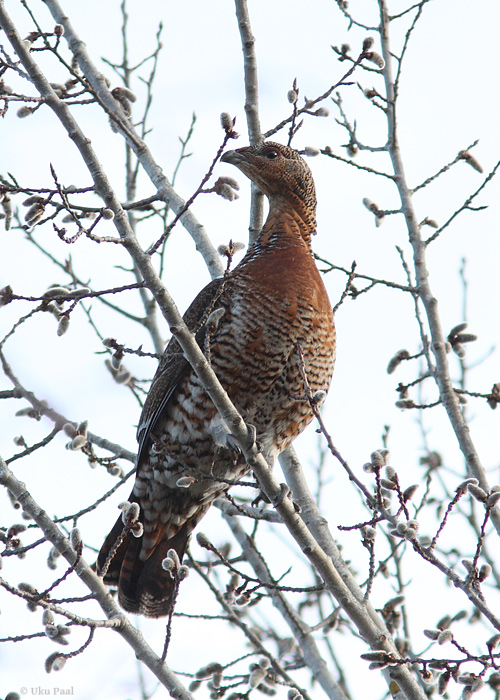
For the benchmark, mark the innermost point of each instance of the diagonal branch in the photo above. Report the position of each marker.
(466, 205)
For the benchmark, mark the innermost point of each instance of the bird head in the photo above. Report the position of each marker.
(280, 173)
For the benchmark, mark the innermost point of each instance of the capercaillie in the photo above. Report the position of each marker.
(267, 306)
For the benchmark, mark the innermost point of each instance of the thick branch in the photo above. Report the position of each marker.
(250, 67)
(251, 108)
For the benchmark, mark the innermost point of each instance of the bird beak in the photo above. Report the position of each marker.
(234, 157)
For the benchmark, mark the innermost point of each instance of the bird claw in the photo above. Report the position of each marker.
(232, 443)
(251, 435)
(285, 492)
(261, 497)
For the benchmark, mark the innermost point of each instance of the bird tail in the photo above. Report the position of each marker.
(144, 587)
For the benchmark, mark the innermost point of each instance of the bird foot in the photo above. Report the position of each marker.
(261, 498)
(285, 492)
(251, 436)
(232, 443)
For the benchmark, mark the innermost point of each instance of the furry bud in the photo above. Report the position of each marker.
(444, 637)
(369, 533)
(226, 192)
(318, 397)
(311, 152)
(47, 618)
(24, 111)
(396, 360)
(379, 458)
(131, 512)
(56, 292)
(493, 499)
(492, 643)
(405, 404)
(203, 540)
(462, 487)
(227, 123)
(432, 634)
(172, 554)
(410, 492)
(464, 155)
(6, 295)
(478, 493)
(33, 199)
(376, 58)
(137, 529)
(54, 662)
(225, 187)
(76, 539)
(169, 565)
(256, 676)
(63, 325)
(208, 670)
(183, 572)
(484, 572)
(34, 214)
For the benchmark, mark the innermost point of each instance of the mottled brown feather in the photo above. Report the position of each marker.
(173, 365)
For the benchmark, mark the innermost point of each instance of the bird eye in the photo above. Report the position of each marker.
(272, 154)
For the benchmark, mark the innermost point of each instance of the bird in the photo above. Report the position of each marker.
(265, 326)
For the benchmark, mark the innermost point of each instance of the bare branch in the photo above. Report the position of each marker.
(251, 108)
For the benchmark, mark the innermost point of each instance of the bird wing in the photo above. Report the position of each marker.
(173, 365)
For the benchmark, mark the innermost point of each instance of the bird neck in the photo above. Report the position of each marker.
(287, 220)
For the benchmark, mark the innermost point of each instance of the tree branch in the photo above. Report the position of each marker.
(251, 109)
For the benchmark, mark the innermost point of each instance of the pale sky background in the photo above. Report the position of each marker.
(449, 98)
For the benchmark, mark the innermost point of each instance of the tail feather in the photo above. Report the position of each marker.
(144, 587)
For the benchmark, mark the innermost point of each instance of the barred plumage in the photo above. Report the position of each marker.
(271, 302)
